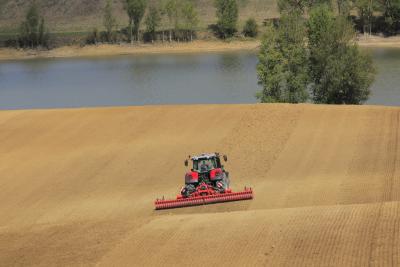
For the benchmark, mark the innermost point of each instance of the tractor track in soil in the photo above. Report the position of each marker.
(77, 186)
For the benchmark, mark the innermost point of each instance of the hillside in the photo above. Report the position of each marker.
(77, 186)
(74, 15)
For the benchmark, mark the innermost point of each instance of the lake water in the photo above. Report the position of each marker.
(156, 79)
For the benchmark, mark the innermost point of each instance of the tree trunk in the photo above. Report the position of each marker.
(170, 35)
(131, 31)
(370, 29)
(369, 17)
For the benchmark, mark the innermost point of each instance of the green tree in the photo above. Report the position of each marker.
(283, 65)
(109, 20)
(250, 28)
(227, 14)
(190, 18)
(93, 37)
(391, 13)
(344, 7)
(152, 21)
(44, 35)
(41, 31)
(33, 31)
(340, 73)
(135, 10)
(172, 10)
(270, 68)
(365, 9)
(290, 6)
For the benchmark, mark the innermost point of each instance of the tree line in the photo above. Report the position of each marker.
(166, 20)
(178, 20)
(181, 17)
(313, 57)
(379, 16)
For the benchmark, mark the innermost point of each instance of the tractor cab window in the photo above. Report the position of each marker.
(203, 165)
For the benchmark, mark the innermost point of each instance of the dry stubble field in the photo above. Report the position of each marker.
(77, 186)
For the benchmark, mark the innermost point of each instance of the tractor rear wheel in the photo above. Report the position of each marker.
(225, 181)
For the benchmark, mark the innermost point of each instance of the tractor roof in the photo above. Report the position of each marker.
(205, 156)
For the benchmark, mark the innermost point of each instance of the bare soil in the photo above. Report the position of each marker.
(77, 186)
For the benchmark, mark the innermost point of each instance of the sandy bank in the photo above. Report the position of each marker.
(77, 186)
(377, 41)
(167, 48)
(110, 50)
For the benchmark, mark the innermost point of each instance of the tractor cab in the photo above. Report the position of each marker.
(204, 165)
(206, 168)
(206, 162)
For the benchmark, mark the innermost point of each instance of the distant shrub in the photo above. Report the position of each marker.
(227, 15)
(109, 23)
(250, 29)
(93, 37)
(152, 21)
(33, 32)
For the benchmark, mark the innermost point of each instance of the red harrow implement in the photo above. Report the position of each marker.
(206, 183)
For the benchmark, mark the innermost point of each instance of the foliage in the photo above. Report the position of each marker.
(33, 31)
(365, 10)
(109, 21)
(135, 10)
(94, 37)
(282, 67)
(340, 73)
(344, 7)
(227, 14)
(152, 21)
(172, 10)
(190, 18)
(250, 28)
(182, 18)
(290, 6)
(392, 15)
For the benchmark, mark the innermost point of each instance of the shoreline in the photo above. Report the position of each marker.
(378, 41)
(198, 46)
(127, 49)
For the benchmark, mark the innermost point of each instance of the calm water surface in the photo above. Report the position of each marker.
(156, 79)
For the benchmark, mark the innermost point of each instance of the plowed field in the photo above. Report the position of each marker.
(77, 186)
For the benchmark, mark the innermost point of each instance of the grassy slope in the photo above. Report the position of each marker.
(75, 15)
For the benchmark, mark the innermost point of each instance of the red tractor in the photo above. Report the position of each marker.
(206, 183)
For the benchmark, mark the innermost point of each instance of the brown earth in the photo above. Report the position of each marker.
(77, 186)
